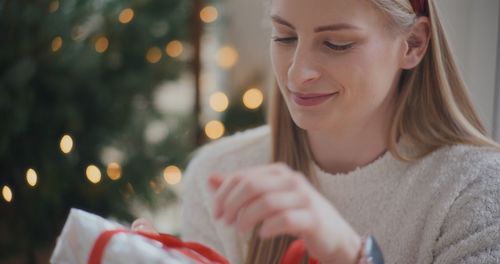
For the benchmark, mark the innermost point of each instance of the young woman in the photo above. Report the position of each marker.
(371, 132)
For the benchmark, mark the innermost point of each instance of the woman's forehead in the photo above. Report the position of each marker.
(323, 6)
(318, 13)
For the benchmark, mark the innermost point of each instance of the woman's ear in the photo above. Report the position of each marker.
(416, 43)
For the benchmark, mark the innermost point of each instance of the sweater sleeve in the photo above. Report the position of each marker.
(471, 230)
(197, 224)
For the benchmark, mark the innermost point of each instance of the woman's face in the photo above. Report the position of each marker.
(336, 62)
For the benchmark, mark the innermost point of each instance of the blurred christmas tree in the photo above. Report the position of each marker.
(87, 70)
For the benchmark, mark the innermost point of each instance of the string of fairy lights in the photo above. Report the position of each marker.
(226, 58)
(172, 175)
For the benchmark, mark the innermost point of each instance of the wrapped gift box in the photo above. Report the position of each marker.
(88, 238)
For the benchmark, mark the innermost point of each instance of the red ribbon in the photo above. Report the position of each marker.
(195, 251)
(420, 7)
(295, 253)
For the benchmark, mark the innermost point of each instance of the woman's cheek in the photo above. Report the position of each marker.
(280, 68)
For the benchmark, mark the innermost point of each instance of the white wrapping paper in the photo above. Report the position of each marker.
(82, 229)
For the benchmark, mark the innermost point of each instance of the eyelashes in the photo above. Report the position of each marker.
(284, 40)
(328, 44)
(338, 47)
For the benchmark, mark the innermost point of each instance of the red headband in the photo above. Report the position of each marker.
(420, 7)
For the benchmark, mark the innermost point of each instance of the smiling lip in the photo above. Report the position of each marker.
(311, 99)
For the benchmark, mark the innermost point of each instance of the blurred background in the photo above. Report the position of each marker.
(103, 101)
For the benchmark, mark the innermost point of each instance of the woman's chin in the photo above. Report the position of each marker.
(308, 124)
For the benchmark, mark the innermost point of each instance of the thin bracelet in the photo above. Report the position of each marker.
(370, 252)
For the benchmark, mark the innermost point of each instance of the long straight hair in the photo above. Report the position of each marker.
(433, 109)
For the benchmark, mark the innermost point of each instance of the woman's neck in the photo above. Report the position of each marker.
(345, 149)
(345, 154)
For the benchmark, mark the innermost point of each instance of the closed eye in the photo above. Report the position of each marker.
(286, 40)
(338, 47)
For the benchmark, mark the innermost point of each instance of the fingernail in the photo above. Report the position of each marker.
(139, 227)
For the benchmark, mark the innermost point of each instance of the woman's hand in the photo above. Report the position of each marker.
(286, 203)
(143, 225)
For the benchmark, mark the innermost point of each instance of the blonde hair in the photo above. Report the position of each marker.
(433, 109)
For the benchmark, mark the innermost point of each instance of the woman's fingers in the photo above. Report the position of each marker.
(143, 225)
(250, 188)
(215, 181)
(261, 194)
(222, 186)
(221, 193)
(268, 205)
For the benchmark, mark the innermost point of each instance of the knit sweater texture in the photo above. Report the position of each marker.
(441, 209)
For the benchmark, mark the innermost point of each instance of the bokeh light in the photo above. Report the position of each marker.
(114, 171)
(101, 44)
(66, 144)
(126, 15)
(219, 102)
(93, 174)
(209, 14)
(7, 193)
(172, 175)
(253, 98)
(214, 129)
(53, 6)
(31, 177)
(227, 57)
(57, 43)
(174, 48)
(153, 55)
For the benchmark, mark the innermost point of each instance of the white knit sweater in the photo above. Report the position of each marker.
(444, 208)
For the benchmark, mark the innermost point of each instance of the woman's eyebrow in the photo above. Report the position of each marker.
(280, 20)
(335, 27)
(332, 27)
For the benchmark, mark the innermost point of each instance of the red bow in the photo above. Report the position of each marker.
(197, 252)
(420, 7)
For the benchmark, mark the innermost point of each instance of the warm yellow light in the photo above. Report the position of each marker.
(126, 15)
(153, 55)
(31, 177)
(53, 6)
(93, 174)
(253, 98)
(219, 102)
(209, 14)
(156, 187)
(57, 43)
(114, 171)
(174, 48)
(172, 175)
(227, 57)
(101, 44)
(214, 129)
(7, 193)
(66, 144)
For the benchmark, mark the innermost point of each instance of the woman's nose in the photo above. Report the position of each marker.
(303, 68)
